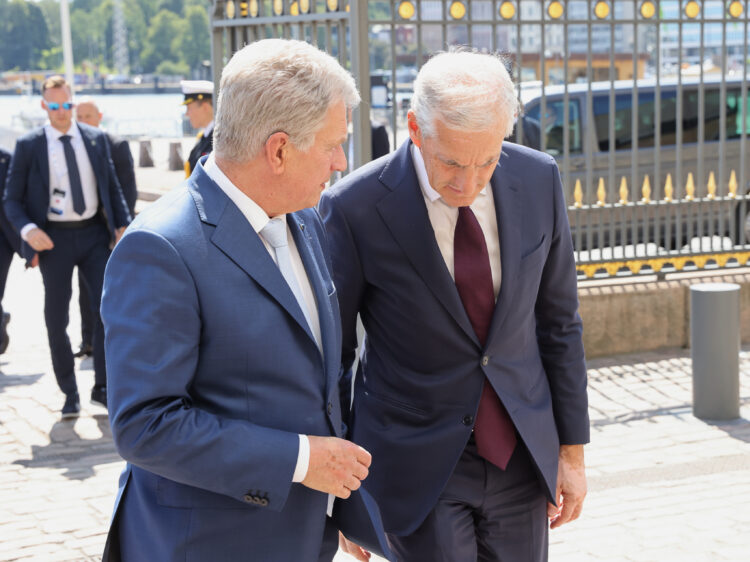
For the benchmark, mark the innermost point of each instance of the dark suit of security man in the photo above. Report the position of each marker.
(63, 197)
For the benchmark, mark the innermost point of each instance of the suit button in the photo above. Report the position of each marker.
(248, 498)
(330, 409)
(263, 502)
(468, 420)
(256, 500)
(485, 360)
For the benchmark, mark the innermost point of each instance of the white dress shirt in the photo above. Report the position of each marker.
(258, 219)
(443, 218)
(58, 178)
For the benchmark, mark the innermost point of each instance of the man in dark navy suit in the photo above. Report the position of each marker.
(88, 112)
(63, 198)
(10, 242)
(471, 391)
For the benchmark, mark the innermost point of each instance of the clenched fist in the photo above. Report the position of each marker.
(337, 466)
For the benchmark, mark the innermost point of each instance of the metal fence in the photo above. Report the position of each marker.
(643, 103)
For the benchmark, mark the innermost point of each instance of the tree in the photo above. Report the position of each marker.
(161, 40)
(193, 43)
(24, 33)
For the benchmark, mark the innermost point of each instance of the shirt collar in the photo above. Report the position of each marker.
(255, 215)
(424, 182)
(54, 134)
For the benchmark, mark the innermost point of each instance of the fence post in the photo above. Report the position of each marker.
(715, 350)
(145, 159)
(176, 161)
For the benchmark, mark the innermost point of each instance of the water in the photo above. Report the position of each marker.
(133, 115)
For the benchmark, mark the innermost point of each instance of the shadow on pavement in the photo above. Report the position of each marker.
(737, 429)
(16, 380)
(75, 452)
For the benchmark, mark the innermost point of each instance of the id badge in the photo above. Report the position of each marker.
(57, 201)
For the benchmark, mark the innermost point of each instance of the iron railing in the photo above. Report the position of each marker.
(643, 103)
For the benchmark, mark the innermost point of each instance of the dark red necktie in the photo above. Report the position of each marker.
(493, 429)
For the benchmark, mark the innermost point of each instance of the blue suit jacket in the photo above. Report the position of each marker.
(422, 372)
(212, 374)
(26, 197)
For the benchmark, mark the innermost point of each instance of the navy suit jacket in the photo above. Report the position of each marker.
(26, 197)
(6, 230)
(122, 159)
(212, 373)
(421, 375)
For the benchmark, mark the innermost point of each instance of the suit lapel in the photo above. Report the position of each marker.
(312, 266)
(405, 214)
(506, 192)
(43, 160)
(236, 238)
(96, 163)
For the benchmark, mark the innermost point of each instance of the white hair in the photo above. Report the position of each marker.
(466, 90)
(277, 85)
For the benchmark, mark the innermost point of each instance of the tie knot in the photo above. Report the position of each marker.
(275, 232)
(65, 139)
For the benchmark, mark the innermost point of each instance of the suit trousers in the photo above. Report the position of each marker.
(88, 249)
(6, 257)
(88, 321)
(484, 513)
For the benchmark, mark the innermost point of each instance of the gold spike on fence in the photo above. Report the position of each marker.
(711, 186)
(690, 188)
(578, 195)
(601, 193)
(733, 184)
(646, 190)
(623, 191)
(668, 189)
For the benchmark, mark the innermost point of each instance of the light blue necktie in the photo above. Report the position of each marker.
(275, 234)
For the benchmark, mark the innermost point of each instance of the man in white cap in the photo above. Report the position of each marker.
(200, 110)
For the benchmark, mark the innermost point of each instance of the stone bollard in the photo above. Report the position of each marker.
(145, 158)
(715, 350)
(176, 161)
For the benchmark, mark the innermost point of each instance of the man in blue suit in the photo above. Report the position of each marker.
(63, 198)
(471, 388)
(223, 336)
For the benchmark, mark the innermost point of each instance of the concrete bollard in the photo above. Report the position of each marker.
(715, 350)
(145, 158)
(176, 162)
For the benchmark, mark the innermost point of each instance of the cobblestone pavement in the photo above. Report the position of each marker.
(663, 485)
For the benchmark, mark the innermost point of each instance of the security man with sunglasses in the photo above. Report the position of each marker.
(63, 197)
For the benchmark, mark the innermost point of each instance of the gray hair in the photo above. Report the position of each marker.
(460, 88)
(277, 85)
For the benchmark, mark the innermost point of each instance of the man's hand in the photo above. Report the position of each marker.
(352, 549)
(571, 486)
(38, 240)
(336, 466)
(119, 232)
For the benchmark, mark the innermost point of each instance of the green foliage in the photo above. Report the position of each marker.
(171, 68)
(24, 32)
(170, 34)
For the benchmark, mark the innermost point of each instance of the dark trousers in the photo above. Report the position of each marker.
(88, 249)
(484, 513)
(6, 256)
(88, 320)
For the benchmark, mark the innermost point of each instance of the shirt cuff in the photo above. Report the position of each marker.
(303, 459)
(26, 229)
